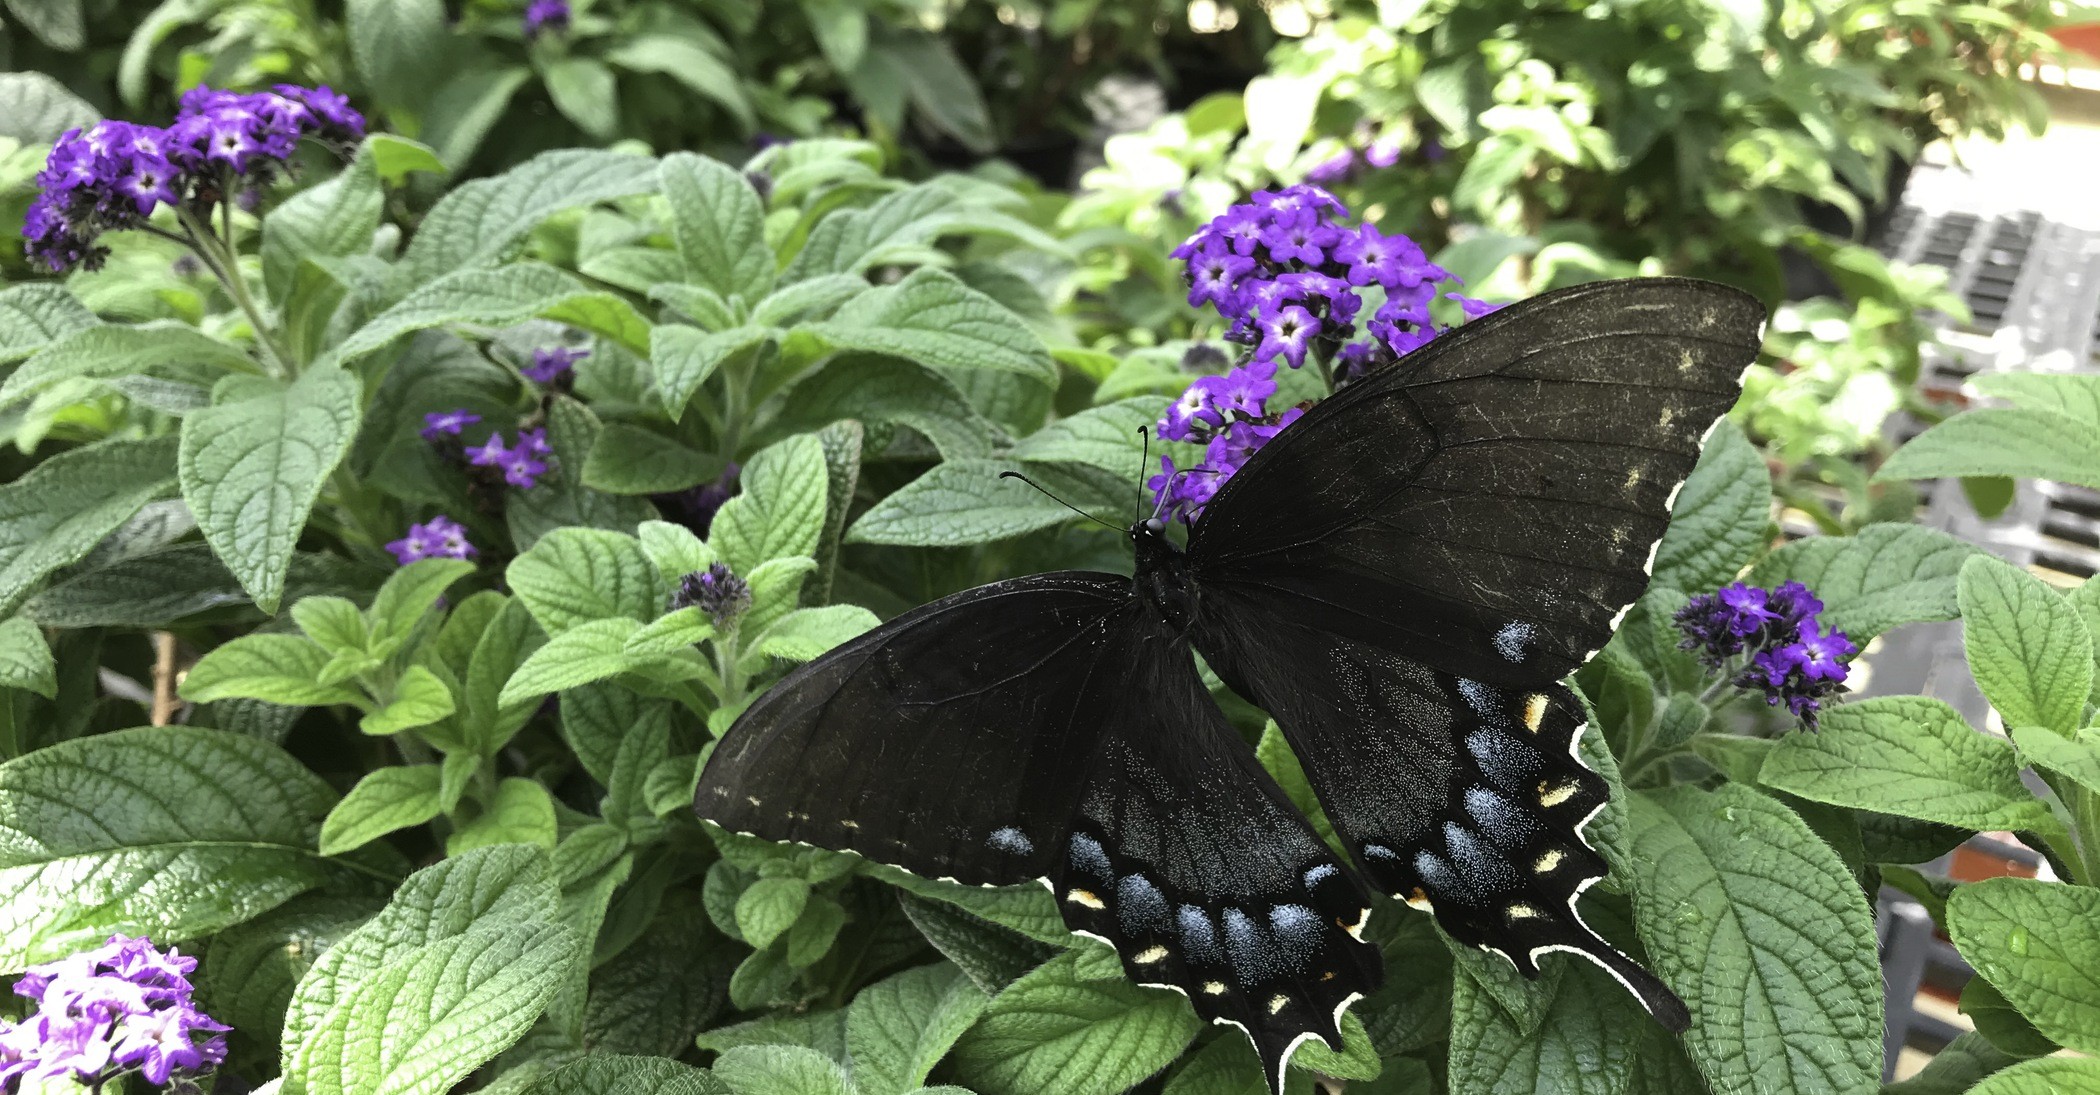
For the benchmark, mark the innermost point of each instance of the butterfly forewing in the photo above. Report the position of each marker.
(1402, 577)
(1053, 729)
(1489, 504)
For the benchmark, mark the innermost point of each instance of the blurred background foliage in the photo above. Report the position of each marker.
(1528, 143)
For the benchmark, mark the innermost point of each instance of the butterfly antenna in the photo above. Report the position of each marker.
(1137, 506)
(1056, 499)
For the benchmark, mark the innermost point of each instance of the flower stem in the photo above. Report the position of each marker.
(224, 264)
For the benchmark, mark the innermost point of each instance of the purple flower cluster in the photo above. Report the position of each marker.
(438, 538)
(542, 16)
(1775, 641)
(548, 365)
(1292, 280)
(114, 175)
(521, 464)
(716, 591)
(120, 1008)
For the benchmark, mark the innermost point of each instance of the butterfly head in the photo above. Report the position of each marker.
(1161, 576)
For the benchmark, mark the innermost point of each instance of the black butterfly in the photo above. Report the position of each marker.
(1401, 578)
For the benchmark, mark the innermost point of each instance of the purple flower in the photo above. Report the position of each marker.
(542, 16)
(1302, 242)
(522, 468)
(438, 538)
(1287, 334)
(490, 453)
(1213, 273)
(1473, 309)
(1196, 410)
(120, 1008)
(551, 363)
(1241, 393)
(715, 591)
(1790, 659)
(1382, 154)
(1338, 168)
(1745, 608)
(535, 442)
(438, 424)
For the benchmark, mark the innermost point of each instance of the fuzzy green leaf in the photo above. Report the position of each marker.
(684, 357)
(574, 575)
(873, 389)
(59, 510)
(781, 510)
(770, 907)
(1105, 437)
(933, 318)
(805, 300)
(2038, 943)
(630, 460)
(899, 1028)
(1911, 756)
(960, 503)
(478, 221)
(2027, 647)
(385, 800)
(501, 297)
(1586, 1042)
(333, 220)
(590, 651)
(2076, 759)
(1760, 927)
(488, 722)
(108, 352)
(251, 470)
(613, 1074)
(719, 224)
(806, 633)
(1883, 576)
(2008, 441)
(335, 624)
(2045, 1076)
(35, 314)
(520, 813)
(1052, 1030)
(1722, 517)
(408, 594)
(420, 699)
(25, 659)
(781, 1070)
(171, 831)
(282, 669)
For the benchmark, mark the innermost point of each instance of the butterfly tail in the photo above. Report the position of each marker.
(1667, 1007)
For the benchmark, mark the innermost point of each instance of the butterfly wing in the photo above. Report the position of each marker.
(1490, 504)
(1403, 577)
(1050, 728)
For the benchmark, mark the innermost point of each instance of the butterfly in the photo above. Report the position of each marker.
(1401, 579)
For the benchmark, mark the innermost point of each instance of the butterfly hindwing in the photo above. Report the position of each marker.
(1053, 729)
(1490, 503)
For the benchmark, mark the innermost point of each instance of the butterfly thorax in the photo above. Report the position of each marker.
(1162, 577)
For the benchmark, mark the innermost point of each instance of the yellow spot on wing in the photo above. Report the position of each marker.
(1534, 711)
(1548, 861)
(1086, 898)
(1553, 795)
(1277, 1003)
(1214, 988)
(1523, 912)
(1150, 955)
(1419, 900)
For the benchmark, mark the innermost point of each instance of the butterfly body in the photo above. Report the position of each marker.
(1400, 579)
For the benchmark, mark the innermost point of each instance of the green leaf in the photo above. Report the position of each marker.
(884, 390)
(612, 1074)
(247, 976)
(35, 108)
(1885, 575)
(2007, 441)
(673, 631)
(396, 158)
(674, 549)
(631, 460)
(1586, 1042)
(960, 503)
(106, 352)
(934, 319)
(776, 585)
(806, 300)
(846, 241)
(1761, 928)
(2039, 944)
(781, 1070)
(900, 1027)
(283, 669)
(34, 315)
(480, 220)
(409, 594)
(1105, 437)
(520, 813)
(251, 469)
(2027, 647)
(575, 575)
(333, 220)
(719, 224)
(336, 624)
(1911, 756)
(992, 956)
(572, 431)
(780, 512)
(25, 659)
(499, 298)
(586, 92)
(660, 992)
(420, 699)
(684, 357)
(399, 47)
(1052, 1030)
(426, 1020)
(2045, 1076)
(57, 512)
(770, 907)
(1722, 518)
(487, 721)
(702, 305)
(172, 831)
(587, 652)
(385, 800)
(690, 64)
(806, 633)
(1954, 1070)
(2075, 759)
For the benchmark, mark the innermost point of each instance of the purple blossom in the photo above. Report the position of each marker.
(716, 591)
(522, 467)
(1473, 309)
(438, 538)
(439, 424)
(120, 1008)
(534, 441)
(551, 363)
(696, 508)
(1287, 334)
(542, 16)
(1785, 654)
(490, 453)
(1213, 274)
